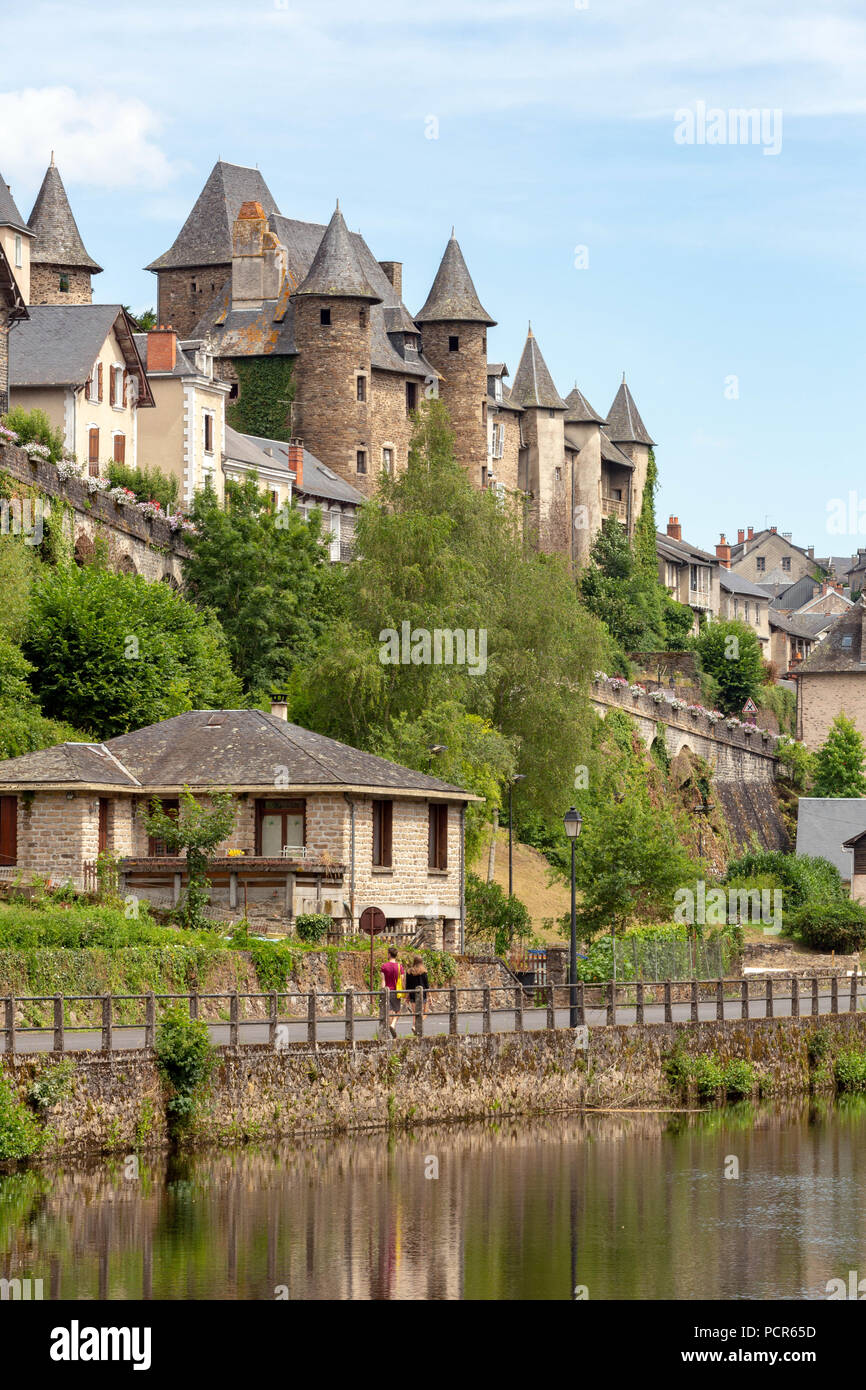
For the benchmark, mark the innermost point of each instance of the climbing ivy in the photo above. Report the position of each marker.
(265, 394)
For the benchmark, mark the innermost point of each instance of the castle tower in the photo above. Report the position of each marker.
(60, 267)
(331, 408)
(583, 434)
(627, 430)
(546, 474)
(454, 328)
(199, 262)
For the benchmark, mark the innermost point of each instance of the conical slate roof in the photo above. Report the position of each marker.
(580, 411)
(336, 270)
(58, 240)
(624, 424)
(452, 298)
(533, 384)
(9, 214)
(206, 236)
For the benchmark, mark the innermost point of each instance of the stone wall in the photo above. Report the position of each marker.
(463, 387)
(136, 545)
(4, 359)
(45, 285)
(116, 1101)
(821, 696)
(185, 294)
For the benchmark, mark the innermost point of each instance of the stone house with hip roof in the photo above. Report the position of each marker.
(832, 678)
(256, 285)
(690, 575)
(320, 826)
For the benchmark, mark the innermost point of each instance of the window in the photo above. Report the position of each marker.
(102, 840)
(336, 525)
(324, 316)
(497, 441)
(383, 816)
(761, 564)
(361, 461)
(280, 825)
(786, 563)
(411, 396)
(484, 412)
(453, 344)
(557, 474)
(208, 433)
(93, 452)
(115, 386)
(171, 806)
(8, 830)
(483, 475)
(361, 388)
(63, 284)
(194, 286)
(437, 837)
(362, 317)
(18, 250)
(746, 608)
(120, 448)
(551, 413)
(388, 460)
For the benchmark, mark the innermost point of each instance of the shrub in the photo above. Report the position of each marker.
(739, 1078)
(34, 427)
(707, 1076)
(185, 1058)
(52, 1085)
(148, 484)
(803, 878)
(20, 1135)
(312, 926)
(492, 916)
(829, 926)
(849, 1070)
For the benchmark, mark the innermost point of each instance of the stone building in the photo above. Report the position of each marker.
(185, 434)
(80, 364)
(690, 575)
(832, 679)
(60, 267)
(742, 600)
(770, 558)
(260, 288)
(319, 825)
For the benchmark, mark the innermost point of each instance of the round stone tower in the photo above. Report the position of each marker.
(60, 267)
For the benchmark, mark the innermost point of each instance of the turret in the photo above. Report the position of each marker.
(546, 474)
(60, 266)
(454, 328)
(627, 430)
(333, 370)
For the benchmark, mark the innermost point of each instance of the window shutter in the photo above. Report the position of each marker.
(387, 813)
(125, 385)
(442, 855)
(99, 382)
(120, 448)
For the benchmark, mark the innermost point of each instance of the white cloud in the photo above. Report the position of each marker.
(101, 139)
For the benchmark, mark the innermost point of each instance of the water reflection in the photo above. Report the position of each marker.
(632, 1205)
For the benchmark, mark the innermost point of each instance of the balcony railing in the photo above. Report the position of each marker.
(612, 506)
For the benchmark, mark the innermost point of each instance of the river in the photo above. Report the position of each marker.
(747, 1202)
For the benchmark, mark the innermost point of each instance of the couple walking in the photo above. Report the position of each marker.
(413, 979)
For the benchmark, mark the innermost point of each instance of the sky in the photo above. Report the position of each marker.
(584, 152)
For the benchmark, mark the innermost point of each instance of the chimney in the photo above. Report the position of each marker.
(248, 256)
(296, 461)
(751, 535)
(161, 349)
(280, 706)
(723, 552)
(394, 272)
(810, 551)
(774, 529)
(741, 536)
(674, 528)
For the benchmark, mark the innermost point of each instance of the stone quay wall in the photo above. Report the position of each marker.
(116, 1101)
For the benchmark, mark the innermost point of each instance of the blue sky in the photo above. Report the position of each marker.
(556, 124)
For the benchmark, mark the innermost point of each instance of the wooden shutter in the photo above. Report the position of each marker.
(99, 381)
(387, 820)
(125, 386)
(103, 824)
(120, 448)
(111, 386)
(93, 451)
(437, 837)
(8, 830)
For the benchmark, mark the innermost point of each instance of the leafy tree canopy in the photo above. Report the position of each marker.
(730, 652)
(838, 763)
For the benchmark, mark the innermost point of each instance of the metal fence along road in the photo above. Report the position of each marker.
(121, 1022)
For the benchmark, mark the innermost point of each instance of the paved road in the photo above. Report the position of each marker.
(502, 1020)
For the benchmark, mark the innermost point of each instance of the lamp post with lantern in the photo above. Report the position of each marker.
(573, 822)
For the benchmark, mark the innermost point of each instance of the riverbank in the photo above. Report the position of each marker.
(105, 1103)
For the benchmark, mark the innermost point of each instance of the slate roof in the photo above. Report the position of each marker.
(219, 748)
(336, 270)
(452, 296)
(9, 214)
(184, 365)
(611, 454)
(839, 565)
(808, 625)
(681, 551)
(11, 290)
(206, 236)
(796, 594)
(746, 547)
(319, 480)
(58, 240)
(734, 583)
(624, 424)
(579, 409)
(58, 344)
(826, 824)
(533, 384)
(843, 648)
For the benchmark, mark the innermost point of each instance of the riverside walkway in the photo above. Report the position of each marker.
(532, 1010)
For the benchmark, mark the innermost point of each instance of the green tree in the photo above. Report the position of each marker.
(111, 652)
(730, 652)
(491, 916)
(838, 762)
(265, 575)
(620, 586)
(198, 830)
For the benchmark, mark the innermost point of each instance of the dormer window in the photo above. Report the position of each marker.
(324, 317)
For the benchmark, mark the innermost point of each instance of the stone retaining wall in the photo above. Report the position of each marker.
(116, 1101)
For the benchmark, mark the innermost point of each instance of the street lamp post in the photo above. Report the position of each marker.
(573, 822)
(518, 777)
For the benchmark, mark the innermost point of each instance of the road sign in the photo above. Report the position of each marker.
(372, 922)
(750, 707)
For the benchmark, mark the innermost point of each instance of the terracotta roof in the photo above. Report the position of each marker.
(452, 297)
(624, 424)
(533, 384)
(58, 240)
(220, 749)
(206, 236)
(336, 269)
